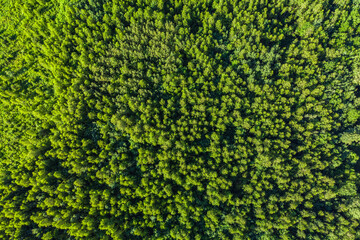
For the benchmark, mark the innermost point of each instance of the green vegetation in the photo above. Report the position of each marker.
(180, 119)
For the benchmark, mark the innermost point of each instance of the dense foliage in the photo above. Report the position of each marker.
(179, 119)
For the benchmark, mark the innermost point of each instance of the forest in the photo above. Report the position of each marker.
(180, 119)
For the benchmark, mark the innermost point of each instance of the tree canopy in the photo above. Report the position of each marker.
(180, 119)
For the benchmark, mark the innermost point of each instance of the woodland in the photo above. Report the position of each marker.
(180, 119)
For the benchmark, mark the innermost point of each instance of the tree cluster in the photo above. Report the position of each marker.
(180, 119)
